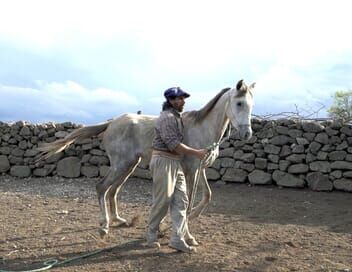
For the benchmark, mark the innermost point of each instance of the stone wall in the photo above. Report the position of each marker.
(285, 153)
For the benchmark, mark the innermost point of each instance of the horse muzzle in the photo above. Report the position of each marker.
(245, 132)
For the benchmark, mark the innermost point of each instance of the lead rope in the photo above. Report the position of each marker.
(55, 263)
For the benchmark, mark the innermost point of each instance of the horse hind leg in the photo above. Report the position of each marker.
(116, 174)
(114, 193)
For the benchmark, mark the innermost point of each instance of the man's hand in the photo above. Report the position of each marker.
(183, 149)
(201, 153)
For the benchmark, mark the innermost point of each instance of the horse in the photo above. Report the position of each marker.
(128, 142)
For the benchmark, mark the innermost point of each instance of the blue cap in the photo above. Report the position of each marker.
(175, 92)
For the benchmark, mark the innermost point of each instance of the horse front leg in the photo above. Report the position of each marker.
(206, 197)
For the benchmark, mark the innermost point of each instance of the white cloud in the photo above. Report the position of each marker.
(281, 45)
(53, 101)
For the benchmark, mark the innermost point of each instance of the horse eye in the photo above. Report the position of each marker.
(239, 104)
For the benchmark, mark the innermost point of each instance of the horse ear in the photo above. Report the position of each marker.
(252, 85)
(239, 84)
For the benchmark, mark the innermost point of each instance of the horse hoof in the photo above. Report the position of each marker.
(103, 233)
(120, 222)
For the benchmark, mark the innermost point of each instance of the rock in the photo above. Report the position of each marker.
(310, 158)
(249, 167)
(31, 152)
(281, 140)
(21, 171)
(25, 131)
(248, 157)
(234, 175)
(272, 166)
(294, 133)
(314, 147)
(96, 152)
(334, 140)
(260, 163)
(343, 184)
(331, 132)
(322, 156)
(341, 165)
(273, 158)
(282, 130)
(346, 130)
(238, 154)
(312, 127)
(283, 165)
(296, 158)
(86, 158)
(336, 174)
(298, 168)
(225, 144)
(4, 164)
(69, 167)
(43, 172)
(17, 152)
(285, 151)
(23, 145)
(216, 164)
(272, 149)
(337, 155)
(322, 138)
(302, 141)
(212, 174)
(319, 182)
(99, 160)
(227, 162)
(5, 150)
(297, 149)
(259, 177)
(309, 136)
(346, 174)
(227, 152)
(287, 180)
(320, 166)
(90, 171)
(342, 146)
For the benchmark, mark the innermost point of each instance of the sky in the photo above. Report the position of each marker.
(90, 61)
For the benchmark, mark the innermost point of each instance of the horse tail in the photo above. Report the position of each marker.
(49, 149)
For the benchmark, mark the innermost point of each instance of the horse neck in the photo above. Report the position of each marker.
(216, 120)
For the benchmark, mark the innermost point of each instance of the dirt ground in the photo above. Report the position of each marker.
(244, 229)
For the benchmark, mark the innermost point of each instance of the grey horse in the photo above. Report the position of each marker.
(128, 142)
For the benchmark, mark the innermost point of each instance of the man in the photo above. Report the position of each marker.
(169, 184)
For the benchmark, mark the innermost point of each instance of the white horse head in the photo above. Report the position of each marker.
(239, 109)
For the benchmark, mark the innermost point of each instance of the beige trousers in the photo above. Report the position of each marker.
(169, 191)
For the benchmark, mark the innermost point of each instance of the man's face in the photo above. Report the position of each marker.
(178, 103)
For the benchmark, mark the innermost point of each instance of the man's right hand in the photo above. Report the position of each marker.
(201, 154)
(183, 149)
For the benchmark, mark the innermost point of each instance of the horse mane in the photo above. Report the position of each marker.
(199, 115)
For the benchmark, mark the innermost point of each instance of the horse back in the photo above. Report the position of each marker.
(130, 135)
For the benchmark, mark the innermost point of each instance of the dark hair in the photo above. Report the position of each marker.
(166, 105)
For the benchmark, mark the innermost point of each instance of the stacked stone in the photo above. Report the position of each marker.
(290, 154)
(284, 152)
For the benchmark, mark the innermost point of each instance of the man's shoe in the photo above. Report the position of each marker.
(152, 239)
(181, 245)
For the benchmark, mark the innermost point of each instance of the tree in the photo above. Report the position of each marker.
(342, 106)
